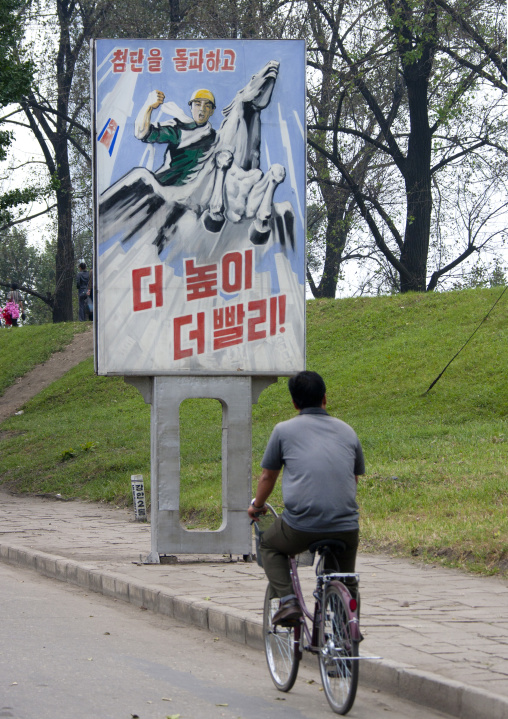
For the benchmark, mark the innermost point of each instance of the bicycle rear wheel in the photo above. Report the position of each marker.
(339, 671)
(279, 648)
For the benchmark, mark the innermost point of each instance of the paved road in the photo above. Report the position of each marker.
(68, 653)
(443, 634)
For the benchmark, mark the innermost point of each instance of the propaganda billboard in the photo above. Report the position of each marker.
(199, 188)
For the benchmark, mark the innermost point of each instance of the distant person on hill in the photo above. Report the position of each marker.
(14, 307)
(82, 285)
(322, 459)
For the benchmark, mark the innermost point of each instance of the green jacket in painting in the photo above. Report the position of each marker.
(187, 143)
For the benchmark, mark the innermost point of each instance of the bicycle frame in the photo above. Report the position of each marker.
(331, 632)
(309, 639)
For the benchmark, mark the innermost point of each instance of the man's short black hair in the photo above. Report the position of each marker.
(307, 389)
(82, 265)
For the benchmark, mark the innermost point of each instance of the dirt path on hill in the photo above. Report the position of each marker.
(26, 387)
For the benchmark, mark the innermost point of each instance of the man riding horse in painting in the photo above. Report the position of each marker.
(213, 176)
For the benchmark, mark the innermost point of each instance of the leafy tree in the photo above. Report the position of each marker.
(15, 78)
(32, 269)
(18, 261)
(332, 107)
(483, 275)
(47, 107)
(443, 60)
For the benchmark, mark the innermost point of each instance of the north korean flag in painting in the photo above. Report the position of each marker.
(108, 135)
(199, 173)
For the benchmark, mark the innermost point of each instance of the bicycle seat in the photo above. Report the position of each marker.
(333, 545)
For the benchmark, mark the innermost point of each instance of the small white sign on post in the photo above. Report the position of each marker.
(138, 497)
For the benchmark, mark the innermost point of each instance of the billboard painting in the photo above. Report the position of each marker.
(199, 173)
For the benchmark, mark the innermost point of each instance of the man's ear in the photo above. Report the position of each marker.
(295, 405)
(323, 403)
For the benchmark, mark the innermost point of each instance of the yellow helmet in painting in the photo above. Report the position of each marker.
(202, 95)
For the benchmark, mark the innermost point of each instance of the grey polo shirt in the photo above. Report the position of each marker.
(320, 455)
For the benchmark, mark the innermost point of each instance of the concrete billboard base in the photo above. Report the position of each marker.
(165, 395)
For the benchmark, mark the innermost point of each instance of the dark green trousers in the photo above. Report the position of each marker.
(280, 541)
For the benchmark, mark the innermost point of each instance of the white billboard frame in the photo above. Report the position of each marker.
(186, 281)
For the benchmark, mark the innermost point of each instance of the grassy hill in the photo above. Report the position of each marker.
(437, 480)
(23, 348)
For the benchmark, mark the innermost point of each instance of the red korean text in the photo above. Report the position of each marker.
(201, 60)
(137, 60)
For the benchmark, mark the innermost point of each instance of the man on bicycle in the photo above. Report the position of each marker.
(322, 459)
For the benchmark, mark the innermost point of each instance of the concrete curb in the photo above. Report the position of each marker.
(425, 688)
(433, 691)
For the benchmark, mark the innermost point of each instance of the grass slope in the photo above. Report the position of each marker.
(21, 348)
(436, 483)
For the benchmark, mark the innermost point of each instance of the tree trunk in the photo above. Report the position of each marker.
(334, 197)
(64, 261)
(417, 179)
(336, 236)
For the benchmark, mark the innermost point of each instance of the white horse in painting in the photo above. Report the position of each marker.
(227, 186)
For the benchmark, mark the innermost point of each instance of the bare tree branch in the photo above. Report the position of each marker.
(26, 219)
(492, 53)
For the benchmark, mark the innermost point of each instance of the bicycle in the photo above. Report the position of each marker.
(332, 632)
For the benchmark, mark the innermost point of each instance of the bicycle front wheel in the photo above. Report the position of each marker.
(338, 667)
(279, 643)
